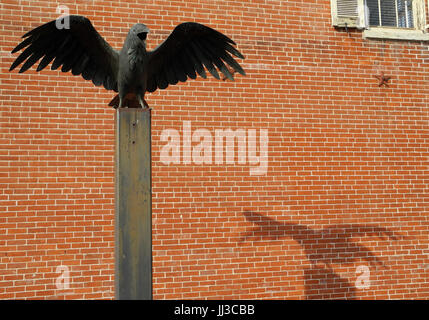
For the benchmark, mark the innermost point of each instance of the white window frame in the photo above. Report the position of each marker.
(419, 32)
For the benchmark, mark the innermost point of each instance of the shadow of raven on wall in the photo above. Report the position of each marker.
(332, 245)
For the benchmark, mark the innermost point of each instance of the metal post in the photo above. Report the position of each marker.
(133, 193)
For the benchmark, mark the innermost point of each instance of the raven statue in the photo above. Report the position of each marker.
(189, 49)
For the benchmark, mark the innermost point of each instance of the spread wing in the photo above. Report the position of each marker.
(78, 48)
(188, 49)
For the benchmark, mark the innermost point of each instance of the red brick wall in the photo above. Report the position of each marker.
(342, 211)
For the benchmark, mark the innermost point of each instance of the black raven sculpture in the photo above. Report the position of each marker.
(133, 70)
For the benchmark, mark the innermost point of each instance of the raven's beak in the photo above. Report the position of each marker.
(142, 35)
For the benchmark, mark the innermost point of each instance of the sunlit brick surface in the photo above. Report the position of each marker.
(342, 211)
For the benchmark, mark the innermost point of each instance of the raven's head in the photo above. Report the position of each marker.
(140, 30)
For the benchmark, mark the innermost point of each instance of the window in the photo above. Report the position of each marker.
(390, 13)
(391, 19)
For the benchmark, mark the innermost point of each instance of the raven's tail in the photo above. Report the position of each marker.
(130, 101)
(115, 102)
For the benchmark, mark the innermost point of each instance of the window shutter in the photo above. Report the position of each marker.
(348, 12)
(419, 9)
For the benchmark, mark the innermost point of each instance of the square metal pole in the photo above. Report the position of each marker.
(133, 205)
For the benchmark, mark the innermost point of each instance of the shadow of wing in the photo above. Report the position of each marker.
(354, 230)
